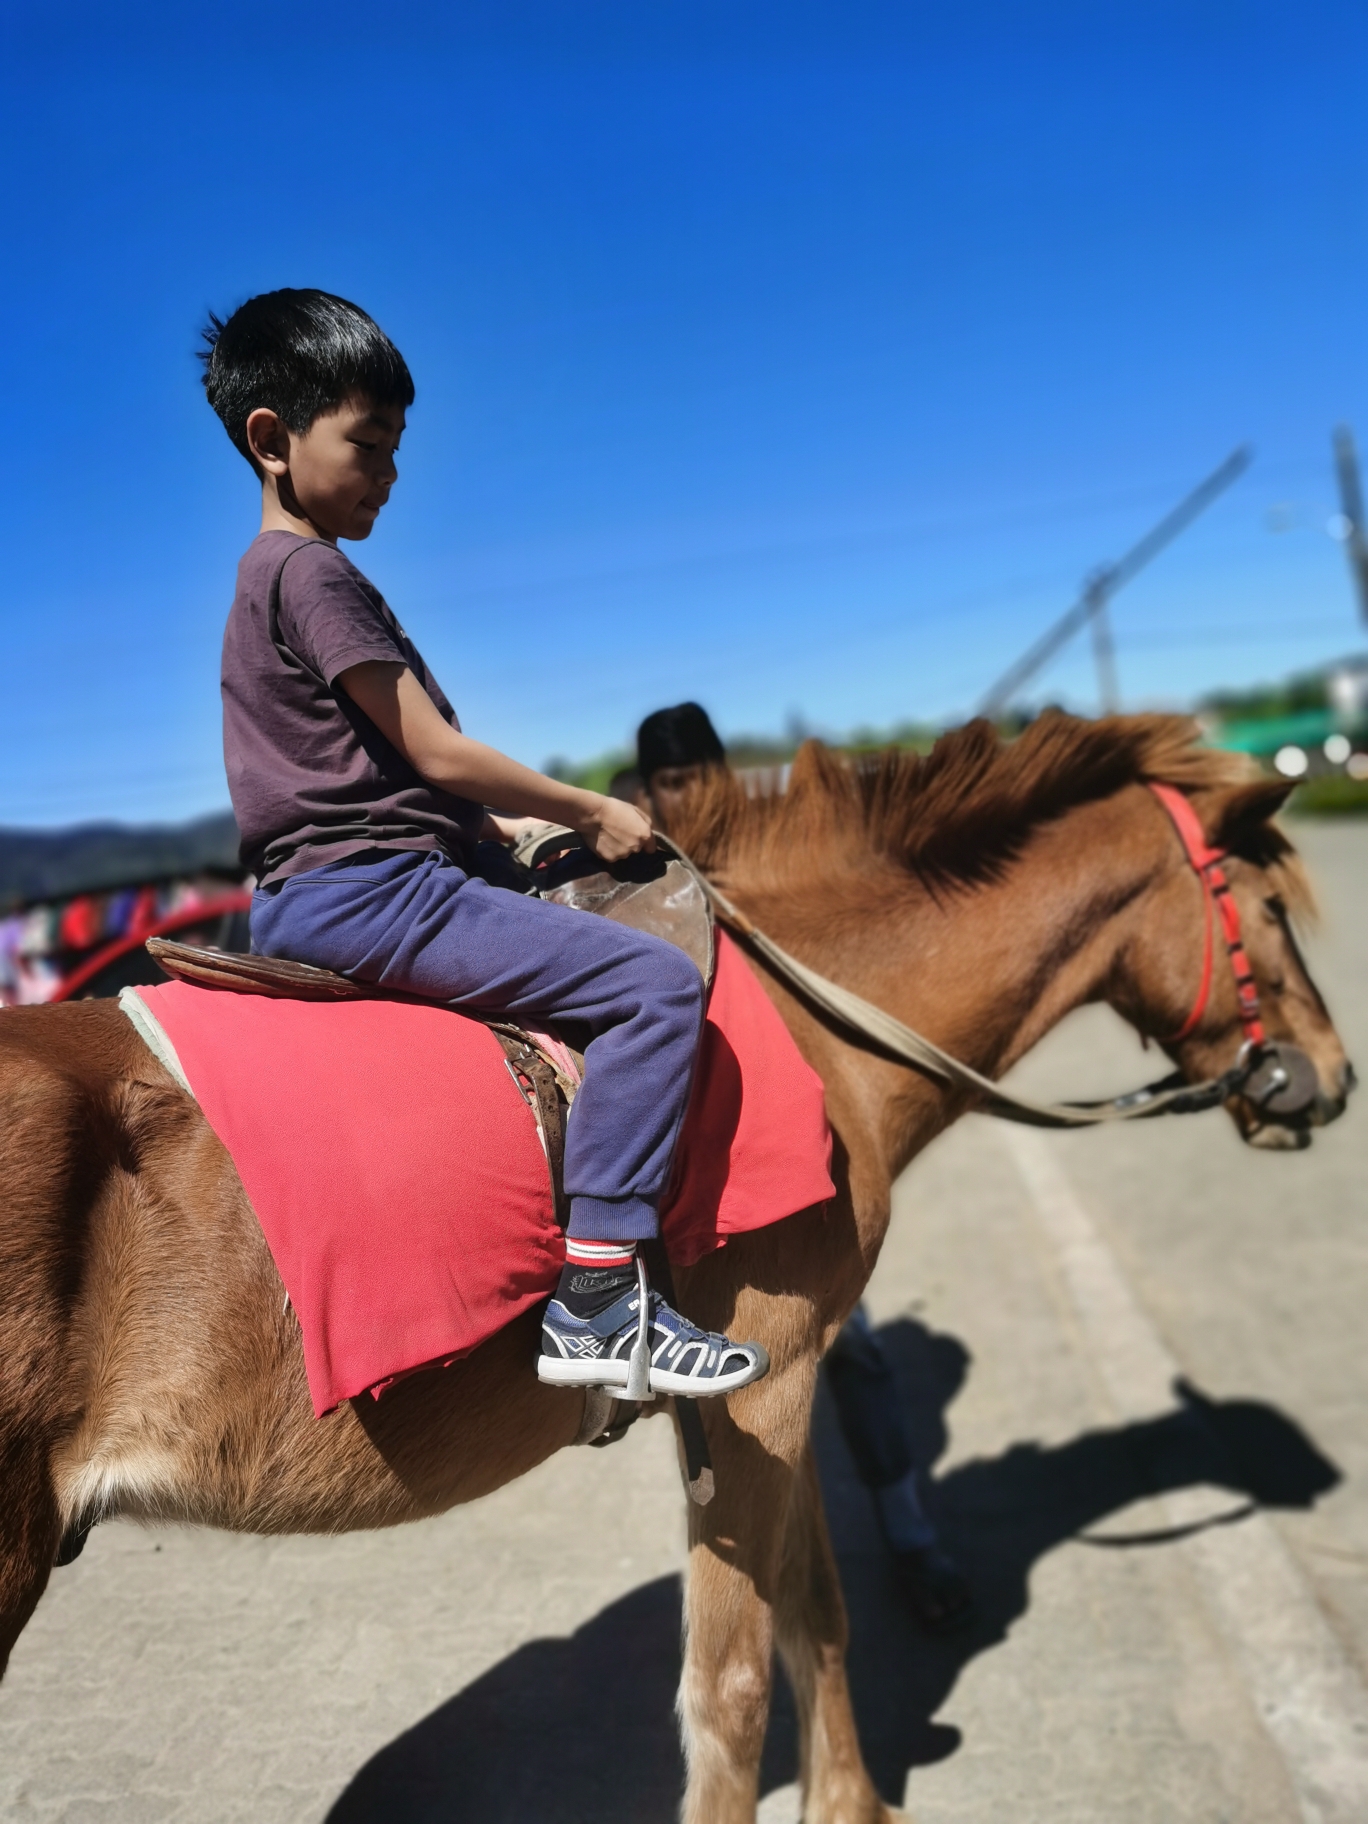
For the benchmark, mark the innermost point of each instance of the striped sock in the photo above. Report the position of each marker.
(599, 1253)
(595, 1274)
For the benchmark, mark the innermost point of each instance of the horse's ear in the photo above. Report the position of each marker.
(1241, 817)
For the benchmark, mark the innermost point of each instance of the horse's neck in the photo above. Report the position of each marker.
(984, 971)
(1023, 952)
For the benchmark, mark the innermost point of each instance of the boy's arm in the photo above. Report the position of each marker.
(405, 714)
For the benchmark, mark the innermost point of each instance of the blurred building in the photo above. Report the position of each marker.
(1312, 725)
(77, 906)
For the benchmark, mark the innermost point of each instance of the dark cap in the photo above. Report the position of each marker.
(682, 736)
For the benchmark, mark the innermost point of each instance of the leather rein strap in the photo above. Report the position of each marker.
(1172, 1095)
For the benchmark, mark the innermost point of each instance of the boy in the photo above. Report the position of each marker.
(360, 803)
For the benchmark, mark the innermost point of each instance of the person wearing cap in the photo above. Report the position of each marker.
(675, 747)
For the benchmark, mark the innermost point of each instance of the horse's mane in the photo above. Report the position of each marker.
(961, 813)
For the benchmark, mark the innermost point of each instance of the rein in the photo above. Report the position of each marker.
(1278, 1078)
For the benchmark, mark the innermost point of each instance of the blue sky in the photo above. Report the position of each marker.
(801, 358)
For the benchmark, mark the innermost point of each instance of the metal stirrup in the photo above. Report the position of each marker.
(639, 1361)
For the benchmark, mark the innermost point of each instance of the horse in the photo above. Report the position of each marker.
(981, 892)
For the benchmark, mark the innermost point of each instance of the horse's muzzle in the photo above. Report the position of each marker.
(1284, 1099)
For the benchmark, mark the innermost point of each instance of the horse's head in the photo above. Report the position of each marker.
(1028, 876)
(1188, 973)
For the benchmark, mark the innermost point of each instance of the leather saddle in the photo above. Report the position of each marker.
(658, 893)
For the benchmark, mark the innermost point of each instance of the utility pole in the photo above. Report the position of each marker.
(1095, 592)
(1351, 510)
(1091, 606)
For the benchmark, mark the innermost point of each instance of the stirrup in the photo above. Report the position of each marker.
(639, 1361)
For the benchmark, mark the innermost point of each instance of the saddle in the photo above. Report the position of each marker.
(659, 893)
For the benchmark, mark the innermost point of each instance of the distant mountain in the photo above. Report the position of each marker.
(94, 857)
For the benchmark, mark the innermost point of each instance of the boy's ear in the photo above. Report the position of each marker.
(268, 440)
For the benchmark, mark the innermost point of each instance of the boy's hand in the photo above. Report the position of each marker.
(614, 830)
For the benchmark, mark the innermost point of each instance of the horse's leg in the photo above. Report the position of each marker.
(761, 1573)
(53, 1174)
(30, 1533)
(734, 1558)
(811, 1635)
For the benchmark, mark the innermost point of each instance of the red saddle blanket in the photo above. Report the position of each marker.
(400, 1182)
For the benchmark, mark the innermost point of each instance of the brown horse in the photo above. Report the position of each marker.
(149, 1369)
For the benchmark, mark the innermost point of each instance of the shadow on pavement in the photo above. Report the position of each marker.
(570, 1730)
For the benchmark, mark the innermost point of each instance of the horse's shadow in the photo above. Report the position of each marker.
(567, 1730)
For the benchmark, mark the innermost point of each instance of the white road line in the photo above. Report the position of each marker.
(781, 1806)
(1312, 1701)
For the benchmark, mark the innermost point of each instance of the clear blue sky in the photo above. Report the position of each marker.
(801, 358)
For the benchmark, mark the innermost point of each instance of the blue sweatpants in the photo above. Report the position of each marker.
(415, 922)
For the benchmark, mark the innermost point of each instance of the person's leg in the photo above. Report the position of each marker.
(874, 1426)
(416, 923)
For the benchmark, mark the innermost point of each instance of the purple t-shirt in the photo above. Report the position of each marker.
(312, 778)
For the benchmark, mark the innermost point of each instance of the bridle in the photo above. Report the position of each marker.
(1220, 902)
(1278, 1078)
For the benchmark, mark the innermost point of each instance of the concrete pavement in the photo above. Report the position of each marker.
(1173, 1580)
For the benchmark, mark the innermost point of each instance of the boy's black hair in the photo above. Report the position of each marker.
(299, 353)
(681, 736)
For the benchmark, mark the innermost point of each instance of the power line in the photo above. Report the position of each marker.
(1104, 584)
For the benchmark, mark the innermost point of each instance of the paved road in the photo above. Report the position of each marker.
(1078, 1322)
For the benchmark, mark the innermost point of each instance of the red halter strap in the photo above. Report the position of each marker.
(1206, 862)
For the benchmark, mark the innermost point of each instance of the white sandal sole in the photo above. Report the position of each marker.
(558, 1371)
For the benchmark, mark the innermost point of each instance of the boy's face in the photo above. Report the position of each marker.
(338, 473)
